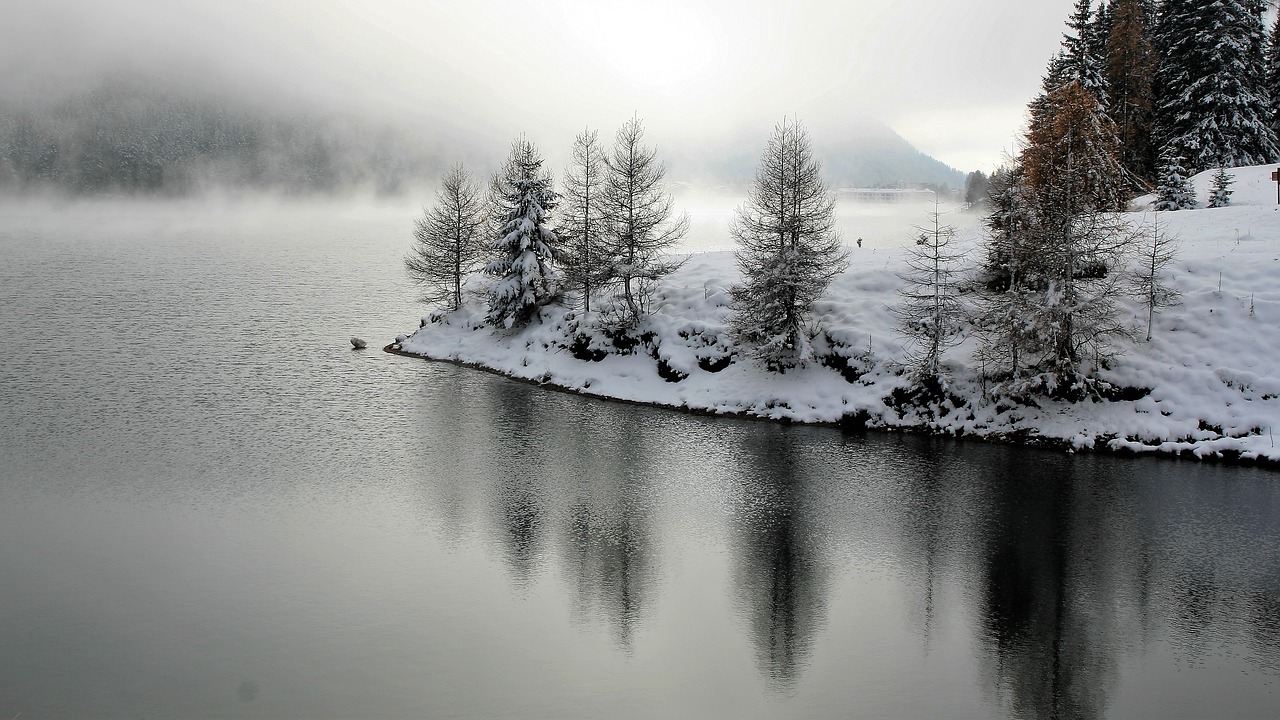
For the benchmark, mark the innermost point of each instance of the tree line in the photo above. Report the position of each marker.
(1178, 87)
(1138, 97)
(616, 233)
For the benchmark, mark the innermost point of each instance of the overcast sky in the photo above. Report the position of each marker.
(952, 77)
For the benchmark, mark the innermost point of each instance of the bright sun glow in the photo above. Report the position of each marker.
(658, 45)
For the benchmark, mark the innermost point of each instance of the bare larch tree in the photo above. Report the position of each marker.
(583, 256)
(788, 249)
(931, 313)
(637, 213)
(449, 241)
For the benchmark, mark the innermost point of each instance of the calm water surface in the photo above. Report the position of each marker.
(211, 507)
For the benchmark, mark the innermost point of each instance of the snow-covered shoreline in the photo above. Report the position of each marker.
(1205, 387)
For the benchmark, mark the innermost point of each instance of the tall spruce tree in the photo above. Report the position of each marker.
(638, 215)
(1176, 65)
(1100, 32)
(449, 240)
(521, 199)
(582, 230)
(1082, 62)
(788, 249)
(1075, 62)
(1213, 109)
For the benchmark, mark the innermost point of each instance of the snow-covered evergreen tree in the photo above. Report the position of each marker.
(1076, 62)
(931, 314)
(1220, 190)
(1081, 60)
(1174, 39)
(1173, 189)
(788, 249)
(522, 198)
(1214, 108)
(637, 213)
(448, 240)
(583, 256)
(1003, 299)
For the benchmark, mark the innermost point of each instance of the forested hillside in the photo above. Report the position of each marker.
(126, 137)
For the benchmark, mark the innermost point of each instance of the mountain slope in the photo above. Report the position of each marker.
(862, 152)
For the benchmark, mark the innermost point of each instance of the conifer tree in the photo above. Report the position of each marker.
(1272, 76)
(1076, 62)
(448, 240)
(975, 188)
(637, 213)
(1158, 251)
(521, 200)
(1055, 316)
(1072, 150)
(582, 228)
(1100, 32)
(1220, 190)
(1004, 296)
(1177, 63)
(1214, 110)
(788, 249)
(1173, 190)
(930, 313)
(1129, 70)
(1076, 185)
(1081, 61)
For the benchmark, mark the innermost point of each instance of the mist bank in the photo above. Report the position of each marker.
(124, 136)
(135, 133)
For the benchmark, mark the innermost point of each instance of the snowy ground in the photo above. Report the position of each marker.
(1211, 367)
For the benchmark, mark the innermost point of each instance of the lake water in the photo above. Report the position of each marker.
(210, 506)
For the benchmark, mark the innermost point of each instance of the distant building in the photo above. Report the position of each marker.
(884, 195)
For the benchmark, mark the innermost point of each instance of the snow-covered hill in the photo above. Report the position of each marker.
(1207, 384)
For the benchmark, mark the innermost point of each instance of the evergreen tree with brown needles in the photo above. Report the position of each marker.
(1129, 69)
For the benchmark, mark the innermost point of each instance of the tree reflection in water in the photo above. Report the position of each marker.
(1064, 571)
(781, 580)
(607, 530)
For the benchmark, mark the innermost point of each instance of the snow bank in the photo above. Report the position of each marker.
(1206, 386)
